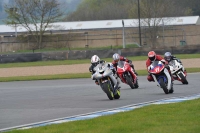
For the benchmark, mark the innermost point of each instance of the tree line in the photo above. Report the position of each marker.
(127, 9)
(38, 15)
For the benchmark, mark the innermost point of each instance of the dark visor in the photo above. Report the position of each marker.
(152, 58)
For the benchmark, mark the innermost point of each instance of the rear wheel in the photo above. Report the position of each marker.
(183, 79)
(130, 81)
(163, 86)
(107, 89)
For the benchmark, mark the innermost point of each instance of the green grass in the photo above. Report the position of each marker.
(45, 63)
(181, 117)
(84, 61)
(71, 76)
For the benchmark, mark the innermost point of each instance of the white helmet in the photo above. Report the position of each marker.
(167, 56)
(116, 57)
(95, 60)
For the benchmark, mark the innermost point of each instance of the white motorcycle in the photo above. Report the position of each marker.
(107, 80)
(178, 71)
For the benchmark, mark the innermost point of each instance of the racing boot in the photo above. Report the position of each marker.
(118, 83)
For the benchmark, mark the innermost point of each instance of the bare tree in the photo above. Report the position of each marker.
(34, 15)
(154, 13)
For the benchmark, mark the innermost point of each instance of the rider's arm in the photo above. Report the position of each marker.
(148, 63)
(160, 58)
(91, 68)
(101, 61)
(122, 58)
(175, 58)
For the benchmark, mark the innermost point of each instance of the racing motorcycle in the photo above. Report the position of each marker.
(107, 80)
(178, 71)
(161, 76)
(127, 75)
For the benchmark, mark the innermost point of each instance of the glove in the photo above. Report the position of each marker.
(166, 66)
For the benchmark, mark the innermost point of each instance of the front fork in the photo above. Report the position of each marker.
(168, 78)
(184, 74)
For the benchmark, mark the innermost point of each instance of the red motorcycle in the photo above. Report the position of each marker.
(126, 74)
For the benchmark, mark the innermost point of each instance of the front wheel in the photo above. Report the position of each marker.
(136, 84)
(107, 89)
(117, 95)
(163, 86)
(183, 79)
(130, 81)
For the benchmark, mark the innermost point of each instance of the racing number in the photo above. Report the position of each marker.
(157, 69)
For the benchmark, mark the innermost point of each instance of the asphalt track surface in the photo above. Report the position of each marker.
(26, 102)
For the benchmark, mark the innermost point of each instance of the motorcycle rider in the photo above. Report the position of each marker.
(117, 57)
(169, 57)
(95, 60)
(152, 56)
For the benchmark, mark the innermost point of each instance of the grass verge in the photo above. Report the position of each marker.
(71, 76)
(165, 118)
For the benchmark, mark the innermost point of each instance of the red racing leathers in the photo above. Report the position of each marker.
(122, 59)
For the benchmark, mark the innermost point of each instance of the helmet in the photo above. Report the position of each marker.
(152, 55)
(168, 56)
(116, 57)
(95, 60)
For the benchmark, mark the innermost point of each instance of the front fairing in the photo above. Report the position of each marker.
(156, 67)
(124, 69)
(102, 70)
(175, 66)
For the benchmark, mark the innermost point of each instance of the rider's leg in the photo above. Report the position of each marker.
(150, 78)
(118, 82)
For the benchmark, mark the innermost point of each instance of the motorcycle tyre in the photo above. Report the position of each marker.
(117, 95)
(183, 79)
(171, 91)
(130, 81)
(136, 84)
(163, 86)
(107, 89)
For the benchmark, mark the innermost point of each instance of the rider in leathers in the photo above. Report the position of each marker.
(95, 60)
(169, 57)
(152, 56)
(117, 57)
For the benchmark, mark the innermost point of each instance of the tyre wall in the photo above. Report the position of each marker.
(11, 58)
(87, 54)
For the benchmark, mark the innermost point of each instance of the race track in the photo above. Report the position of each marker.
(28, 102)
